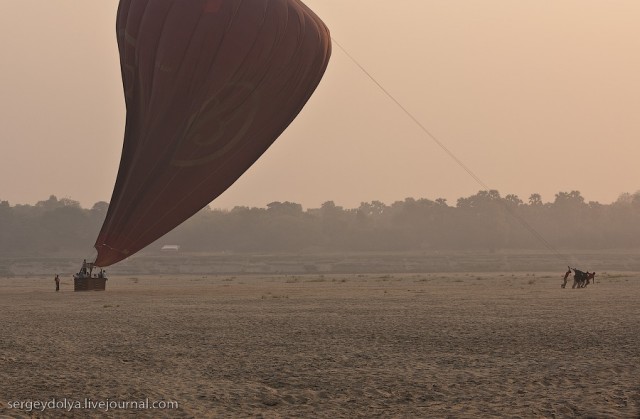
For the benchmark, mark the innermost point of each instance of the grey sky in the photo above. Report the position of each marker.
(534, 96)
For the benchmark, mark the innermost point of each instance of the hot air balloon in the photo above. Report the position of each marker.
(209, 85)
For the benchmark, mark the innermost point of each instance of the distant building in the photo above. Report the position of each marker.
(170, 248)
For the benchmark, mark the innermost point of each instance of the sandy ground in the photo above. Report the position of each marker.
(451, 345)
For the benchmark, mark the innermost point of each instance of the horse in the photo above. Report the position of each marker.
(582, 279)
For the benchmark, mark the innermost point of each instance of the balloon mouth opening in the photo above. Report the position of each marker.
(108, 255)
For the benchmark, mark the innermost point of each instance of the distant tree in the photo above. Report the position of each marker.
(373, 209)
(513, 200)
(6, 226)
(66, 202)
(568, 199)
(49, 204)
(285, 208)
(329, 207)
(480, 221)
(100, 207)
(99, 212)
(442, 202)
(480, 200)
(624, 199)
(535, 200)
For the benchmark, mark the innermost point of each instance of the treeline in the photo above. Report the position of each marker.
(485, 220)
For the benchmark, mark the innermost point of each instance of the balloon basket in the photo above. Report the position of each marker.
(89, 284)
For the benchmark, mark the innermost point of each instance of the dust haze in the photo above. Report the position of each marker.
(356, 269)
(535, 97)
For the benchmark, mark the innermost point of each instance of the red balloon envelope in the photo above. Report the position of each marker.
(209, 85)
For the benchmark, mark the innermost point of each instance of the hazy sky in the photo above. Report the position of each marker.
(533, 95)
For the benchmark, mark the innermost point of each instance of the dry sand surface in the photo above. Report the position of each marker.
(450, 345)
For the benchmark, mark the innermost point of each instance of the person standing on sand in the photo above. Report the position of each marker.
(566, 275)
(57, 279)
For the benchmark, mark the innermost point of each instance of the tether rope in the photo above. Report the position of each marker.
(459, 162)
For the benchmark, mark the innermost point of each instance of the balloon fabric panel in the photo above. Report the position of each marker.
(209, 85)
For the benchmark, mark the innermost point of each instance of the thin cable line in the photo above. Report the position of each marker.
(410, 115)
(460, 163)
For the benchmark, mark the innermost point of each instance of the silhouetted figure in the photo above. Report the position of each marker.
(587, 279)
(566, 275)
(57, 279)
(582, 279)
